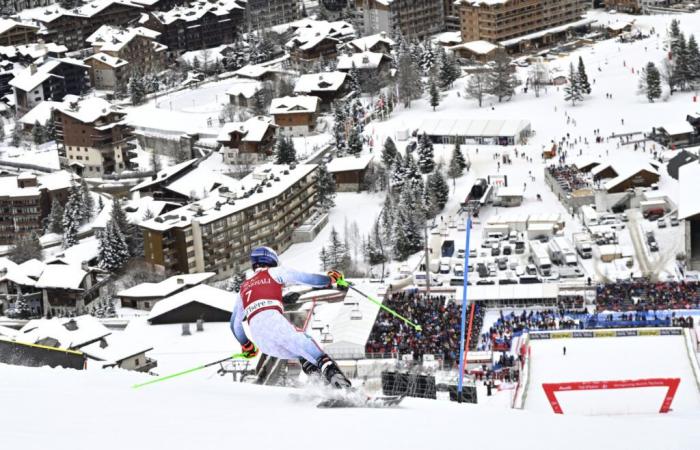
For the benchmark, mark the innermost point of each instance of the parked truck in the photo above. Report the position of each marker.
(540, 257)
(448, 248)
(561, 251)
(589, 216)
(583, 245)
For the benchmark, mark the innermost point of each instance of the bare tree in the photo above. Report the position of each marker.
(477, 86)
(539, 75)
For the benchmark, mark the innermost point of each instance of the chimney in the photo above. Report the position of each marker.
(3, 271)
(84, 266)
(32, 68)
(180, 281)
(383, 34)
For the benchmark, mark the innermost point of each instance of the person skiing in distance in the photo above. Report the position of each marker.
(260, 303)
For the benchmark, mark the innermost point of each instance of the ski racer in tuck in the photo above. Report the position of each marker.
(260, 302)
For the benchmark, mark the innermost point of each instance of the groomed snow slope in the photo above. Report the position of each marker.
(98, 409)
(614, 358)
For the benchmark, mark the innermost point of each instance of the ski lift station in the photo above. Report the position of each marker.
(476, 132)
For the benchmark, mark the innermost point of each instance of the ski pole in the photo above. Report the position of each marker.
(194, 369)
(385, 308)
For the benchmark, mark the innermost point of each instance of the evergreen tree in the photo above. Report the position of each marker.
(584, 85)
(325, 259)
(26, 248)
(408, 80)
(195, 63)
(137, 91)
(457, 165)
(113, 251)
(100, 203)
(325, 187)
(50, 130)
(572, 91)
(693, 61)
(681, 62)
(119, 216)
(406, 232)
(73, 216)
(674, 35)
(650, 82)
(340, 119)
(357, 113)
(426, 160)
(2, 130)
(397, 173)
(434, 93)
(88, 202)
(16, 137)
(354, 142)
(21, 308)
(38, 133)
(354, 77)
(449, 70)
(438, 186)
(389, 152)
(261, 100)
(375, 246)
(427, 61)
(501, 81)
(55, 220)
(286, 154)
(337, 252)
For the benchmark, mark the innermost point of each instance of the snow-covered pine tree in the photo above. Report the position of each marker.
(572, 91)
(693, 61)
(26, 248)
(137, 91)
(324, 258)
(681, 61)
(38, 133)
(357, 113)
(88, 202)
(22, 310)
(650, 83)
(427, 61)
(387, 217)
(433, 93)
(54, 222)
(354, 142)
(73, 216)
(339, 124)
(407, 236)
(674, 34)
(354, 78)
(260, 101)
(448, 70)
(113, 251)
(286, 154)
(389, 152)
(397, 174)
(337, 252)
(50, 130)
(501, 81)
(119, 216)
(457, 164)
(438, 186)
(408, 80)
(584, 85)
(426, 157)
(325, 187)
(375, 246)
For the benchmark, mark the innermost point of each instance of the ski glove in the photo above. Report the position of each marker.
(337, 279)
(249, 350)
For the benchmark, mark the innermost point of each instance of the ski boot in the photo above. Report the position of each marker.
(332, 373)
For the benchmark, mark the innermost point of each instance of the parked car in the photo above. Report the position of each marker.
(530, 269)
(495, 250)
(458, 270)
(674, 221)
(661, 223)
(502, 263)
(507, 250)
(485, 281)
(472, 253)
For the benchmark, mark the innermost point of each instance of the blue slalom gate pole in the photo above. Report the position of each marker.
(460, 382)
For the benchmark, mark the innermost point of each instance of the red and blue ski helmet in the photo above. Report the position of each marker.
(264, 256)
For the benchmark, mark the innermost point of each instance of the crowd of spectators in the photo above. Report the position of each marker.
(648, 296)
(439, 319)
(568, 177)
(500, 334)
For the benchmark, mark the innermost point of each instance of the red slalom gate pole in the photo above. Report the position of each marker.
(469, 335)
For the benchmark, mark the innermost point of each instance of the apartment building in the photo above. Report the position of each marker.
(414, 19)
(25, 201)
(122, 52)
(72, 27)
(217, 233)
(261, 14)
(16, 33)
(94, 136)
(198, 25)
(497, 21)
(52, 80)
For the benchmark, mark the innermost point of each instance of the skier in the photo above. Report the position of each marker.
(564, 350)
(260, 302)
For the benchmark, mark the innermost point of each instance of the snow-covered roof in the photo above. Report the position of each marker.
(245, 87)
(626, 173)
(109, 60)
(471, 128)
(320, 82)
(61, 276)
(32, 268)
(50, 13)
(8, 332)
(165, 174)
(8, 24)
(539, 34)
(478, 47)
(364, 60)
(85, 250)
(71, 333)
(89, 109)
(619, 25)
(349, 163)
(33, 76)
(36, 50)
(586, 161)
(292, 105)
(9, 271)
(678, 127)
(199, 181)
(601, 168)
(167, 286)
(264, 183)
(51, 181)
(689, 187)
(368, 42)
(40, 113)
(111, 38)
(207, 295)
(253, 129)
(136, 208)
(195, 10)
(115, 348)
(309, 30)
